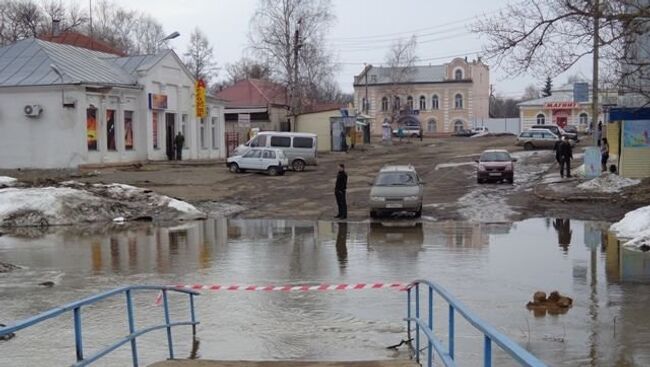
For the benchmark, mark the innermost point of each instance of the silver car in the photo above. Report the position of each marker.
(396, 189)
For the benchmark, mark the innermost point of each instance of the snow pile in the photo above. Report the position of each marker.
(7, 181)
(609, 183)
(453, 165)
(635, 225)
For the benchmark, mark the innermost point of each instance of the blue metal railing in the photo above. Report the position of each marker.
(490, 334)
(75, 307)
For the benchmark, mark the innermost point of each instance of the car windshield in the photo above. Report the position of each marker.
(396, 179)
(495, 157)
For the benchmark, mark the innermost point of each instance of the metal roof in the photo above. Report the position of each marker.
(133, 64)
(419, 74)
(29, 63)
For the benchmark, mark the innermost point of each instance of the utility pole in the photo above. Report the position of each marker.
(594, 82)
(294, 86)
(365, 103)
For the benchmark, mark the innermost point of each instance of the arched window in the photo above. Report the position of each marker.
(458, 125)
(458, 101)
(397, 104)
(423, 103)
(434, 102)
(541, 119)
(409, 102)
(458, 74)
(584, 119)
(384, 104)
(432, 126)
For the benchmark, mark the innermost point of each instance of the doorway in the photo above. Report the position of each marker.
(170, 122)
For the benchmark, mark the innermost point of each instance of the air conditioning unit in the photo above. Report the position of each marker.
(33, 110)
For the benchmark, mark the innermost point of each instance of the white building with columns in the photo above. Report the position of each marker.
(63, 107)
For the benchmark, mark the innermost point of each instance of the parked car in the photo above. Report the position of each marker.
(396, 189)
(269, 160)
(412, 131)
(571, 129)
(538, 139)
(299, 148)
(495, 165)
(557, 130)
(480, 130)
(463, 132)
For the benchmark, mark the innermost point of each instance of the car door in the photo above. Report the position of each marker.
(268, 159)
(549, 140)
(251, 160)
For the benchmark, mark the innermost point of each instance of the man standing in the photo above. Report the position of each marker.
(179, 141)
(566, 155)
(339, 192)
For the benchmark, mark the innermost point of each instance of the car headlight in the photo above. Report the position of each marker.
(411, 198)
(377, 198)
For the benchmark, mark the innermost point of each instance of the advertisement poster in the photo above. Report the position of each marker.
(636, 134)
(201, 101)
(91, 128)
(128, 130)
(592, 162)
(154, 124)
(110, 130)
(157, 101)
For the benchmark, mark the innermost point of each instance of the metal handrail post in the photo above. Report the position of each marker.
(451, 331)
(78, 339)
(417, 327)
(487, 352)
(169, 328)
(129, 309)
(408, 314)
(430, 344)
(192, 315)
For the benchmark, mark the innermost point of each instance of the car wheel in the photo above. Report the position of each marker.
(272, 171)
(511, 180)
(479, 181)
(418, 213)
(373, 214)
(234, 168)
(528, 146)
(298, 165)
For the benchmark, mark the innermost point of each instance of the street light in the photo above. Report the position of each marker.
(171, 36)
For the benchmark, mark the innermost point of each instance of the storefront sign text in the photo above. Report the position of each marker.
(560, 105)
(200, 96)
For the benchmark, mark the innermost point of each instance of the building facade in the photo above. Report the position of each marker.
(441, 98)
(63, 107)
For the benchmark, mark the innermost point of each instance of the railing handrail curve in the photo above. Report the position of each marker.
(518, 353)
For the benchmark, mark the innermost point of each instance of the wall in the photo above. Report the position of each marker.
(502, 125)
(634, 160)
(318, 123)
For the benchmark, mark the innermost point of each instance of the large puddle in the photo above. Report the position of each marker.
(493, 269)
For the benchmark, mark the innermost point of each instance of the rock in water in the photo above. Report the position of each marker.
(539, 297)
(48, 284)
(8, 336)
(5, 268)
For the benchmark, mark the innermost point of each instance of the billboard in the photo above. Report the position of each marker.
(580, 92)
(636, 133)
(157, 101)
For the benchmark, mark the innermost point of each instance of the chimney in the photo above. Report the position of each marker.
(56, 27)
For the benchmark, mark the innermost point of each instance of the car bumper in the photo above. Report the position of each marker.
(395, 205)
(492, 175)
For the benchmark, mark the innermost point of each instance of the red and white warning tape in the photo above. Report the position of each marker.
(289, 288)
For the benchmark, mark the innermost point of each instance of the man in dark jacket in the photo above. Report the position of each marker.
(566, 155)
(339, 192)
(179, 141)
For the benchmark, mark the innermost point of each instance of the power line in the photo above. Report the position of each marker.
(393, 39)
(375, 47)
(419, 60)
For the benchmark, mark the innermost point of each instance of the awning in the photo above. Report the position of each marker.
(361, 123)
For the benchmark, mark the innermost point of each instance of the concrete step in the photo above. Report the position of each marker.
(207, 363)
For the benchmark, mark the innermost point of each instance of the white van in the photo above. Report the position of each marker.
(300, 148)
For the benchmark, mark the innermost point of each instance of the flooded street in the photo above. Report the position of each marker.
(493, 268)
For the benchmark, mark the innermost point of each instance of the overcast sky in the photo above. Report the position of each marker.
(361, 33)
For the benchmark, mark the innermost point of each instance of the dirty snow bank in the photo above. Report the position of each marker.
(452, 165)
(609, 183)
(7, 181)
(74, 203)
(635, 225)
(486, 206)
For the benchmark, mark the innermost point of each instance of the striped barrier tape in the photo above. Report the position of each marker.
(289, 288)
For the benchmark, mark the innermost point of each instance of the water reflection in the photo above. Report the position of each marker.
(493, 268)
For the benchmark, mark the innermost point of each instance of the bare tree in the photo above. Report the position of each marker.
(199, 57)
(247, 68)
(289, 35)
(531, 92)
(400, 59)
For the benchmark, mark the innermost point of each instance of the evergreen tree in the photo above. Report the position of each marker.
(548, 85)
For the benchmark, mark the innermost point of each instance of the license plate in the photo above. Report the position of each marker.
(394, 205)
(495, 174)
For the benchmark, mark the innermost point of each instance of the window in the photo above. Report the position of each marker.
(256, 153)
(541, 119)
(215, 138)
(397, 103)
(299, 142)
(458, 74)
(258, 141)
(432, 126)
(280, 141)
(434, 102)
(154, 129)
(458, 125)
(423, 103)
(458, 101)
(110, 130)
(526, 134)
(268, 154)
(584, 119)
(202, 136)
(91, 128)
(409, 102)
(384, 104)
(184, 119)
(128, 130)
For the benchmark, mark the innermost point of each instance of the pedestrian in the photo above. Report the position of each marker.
(566, 155)
(604, 154)
(179, 141)
(349, 143)
(421, 133)
(400, 132)
(556, 149)
(600, 131)
(339, 191)
(344, 142)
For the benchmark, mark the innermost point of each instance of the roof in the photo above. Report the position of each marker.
(323, 107)
(29, 63)
(286, 133)
(254, 93)
(557, 96)
(419, 74)
(133, 64)
(397, 168)
(81, 40)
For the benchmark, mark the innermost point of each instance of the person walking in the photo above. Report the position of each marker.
(604, 154)
(344, 142)
(556, 149)
(179, 141)
(566, 155)
(600, 131)
(339, 191)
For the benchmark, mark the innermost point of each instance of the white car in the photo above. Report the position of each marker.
(480, 130)
(269, 160)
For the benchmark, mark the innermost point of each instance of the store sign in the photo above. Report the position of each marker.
(244, 119)
(200, 99)
(560, 105)
(157, 101)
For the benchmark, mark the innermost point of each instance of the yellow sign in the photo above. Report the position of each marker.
(200, 99)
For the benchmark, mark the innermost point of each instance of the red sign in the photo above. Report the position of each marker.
(560, 105)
